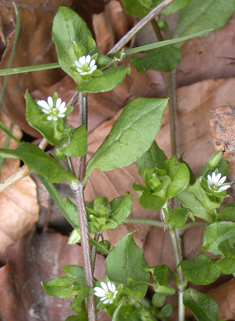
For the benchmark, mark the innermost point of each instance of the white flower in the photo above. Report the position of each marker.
(107, 293)
(215, 182)
(53, 110)
(85, 65)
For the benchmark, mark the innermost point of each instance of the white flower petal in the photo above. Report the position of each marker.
(61, 115)
(92, 63)
(43, 103)
(106, 301)
(104, 286)
(223, 188)
(88, 59)
(93, 68)
(213, 178)
(209, 179)
(46, 111)
(49, 118)
(54, 118)
(77, 63)
(82, 60)
(100, 292)
(58, 103)
(222, 180)
(50, 101)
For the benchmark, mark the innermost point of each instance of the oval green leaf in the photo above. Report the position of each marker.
(110, 79)
(131, 135)
(200, 270)
(201, 305)
(39, 162)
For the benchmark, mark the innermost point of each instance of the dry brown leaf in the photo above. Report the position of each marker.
(19, 207)
(34, 259)
(111, 25)
(224, 295)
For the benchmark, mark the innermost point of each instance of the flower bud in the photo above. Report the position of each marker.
(214, 161)
(162, 24)
(75, 237)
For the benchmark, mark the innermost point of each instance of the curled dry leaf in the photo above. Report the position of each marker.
(34, 259)
(19, 207)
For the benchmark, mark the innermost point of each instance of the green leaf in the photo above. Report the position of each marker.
(228, 212)
(178, 217)
(151, 202)
(78, 143)
(73, 318)
(216, 233)
(164, 289)
(72, 39)
(120, 210)
(39, 162)
(199, 15)
(226, 264)
(179, 174)
(72, 213)
(153, 157)
(167, 310)
(62, 287)
(161, 59)
(175, 6)
(127, 312)
(76, 304)
(200, 270)
(126, 260)
(34, 118)
(158, 300)
(69, 214)
(140, 118)
(189, 200)
(105, 82)
(140, 8)
(160, 274)
(201, 305)
(75, 272)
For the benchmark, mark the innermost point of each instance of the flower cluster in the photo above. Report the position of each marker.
(107, 292)
(215, 183)
(85, 65)
(54, 110)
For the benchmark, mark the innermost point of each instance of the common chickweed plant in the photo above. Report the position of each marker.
(169, 184)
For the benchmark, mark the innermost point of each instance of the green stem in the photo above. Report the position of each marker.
(94, 250)
(21, 70)
(171, 85)
(86, 250)
(178, 257)
(145, 221)
(82, 121)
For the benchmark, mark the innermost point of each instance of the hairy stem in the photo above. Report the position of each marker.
(82, 121)
(171, 84)
(178, 257)
(86, 250)
(156, 11)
